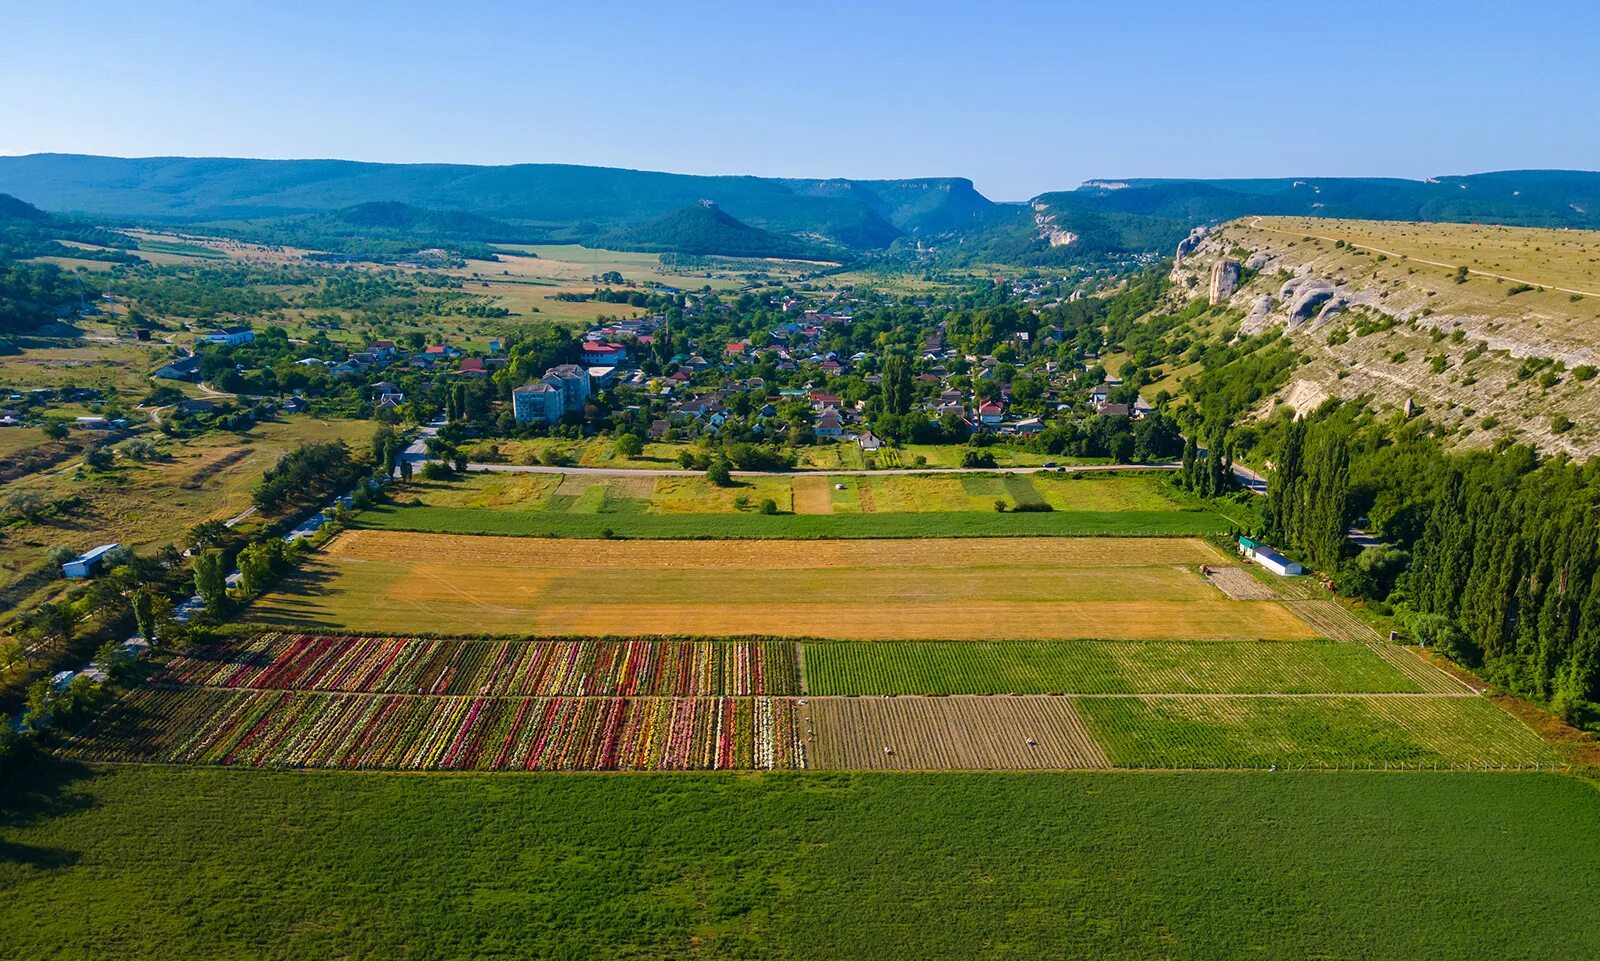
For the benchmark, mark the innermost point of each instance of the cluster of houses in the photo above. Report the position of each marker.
(28, 404)
(794, 347)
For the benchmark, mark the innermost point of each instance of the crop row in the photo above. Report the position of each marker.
(360, 731)
(392, 665)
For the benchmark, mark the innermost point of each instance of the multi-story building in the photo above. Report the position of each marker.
(562, 390)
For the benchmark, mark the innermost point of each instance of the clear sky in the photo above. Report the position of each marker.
(1021, 97)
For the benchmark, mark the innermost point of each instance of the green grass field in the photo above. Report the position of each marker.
(1101, 667)
(1171, 732)
(178, 863)
(524, 523)
(814, 493)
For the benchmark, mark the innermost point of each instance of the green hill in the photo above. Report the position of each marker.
(337, 202)
(705, 228)
(555, 201)
(26, 231)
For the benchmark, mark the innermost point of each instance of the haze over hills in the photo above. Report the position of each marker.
(327, 203)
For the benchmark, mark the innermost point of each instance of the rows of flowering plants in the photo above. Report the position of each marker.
(204, 725)
(393, 665)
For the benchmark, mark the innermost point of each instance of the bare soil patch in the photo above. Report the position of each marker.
(946, 733)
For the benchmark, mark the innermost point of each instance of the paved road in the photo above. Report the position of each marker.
(1249, 479)
(679, 472)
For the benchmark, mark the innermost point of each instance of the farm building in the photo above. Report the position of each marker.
(84, 564)
(1269, 558)
(230, 336)
(184, 368)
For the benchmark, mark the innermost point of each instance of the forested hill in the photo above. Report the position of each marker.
(26, 231)
(1522, 198)
(560, 202)
(419, 205)
(704, 228)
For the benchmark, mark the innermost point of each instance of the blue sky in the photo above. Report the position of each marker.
(1021, 97)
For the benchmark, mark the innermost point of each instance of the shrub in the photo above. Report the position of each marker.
(1438, 633)
(629, 445)
(769, 506)
(437, 470)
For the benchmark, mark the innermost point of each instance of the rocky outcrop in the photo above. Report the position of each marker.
(1224, 280)
(1188, 245)
(1307, 296)
(1048, 231)
(1259, 318)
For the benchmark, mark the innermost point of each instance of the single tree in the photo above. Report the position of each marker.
(629, 446)
(210, 580)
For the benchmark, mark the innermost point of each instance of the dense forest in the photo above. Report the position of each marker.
(35, 294)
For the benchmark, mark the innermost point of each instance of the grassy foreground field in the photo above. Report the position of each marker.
(391, 582)
(1113, 667)
(148, 861)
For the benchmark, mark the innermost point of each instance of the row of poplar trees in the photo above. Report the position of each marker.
(1308, 496)
(1504, 566)
(1509, 558)
(1209, 471)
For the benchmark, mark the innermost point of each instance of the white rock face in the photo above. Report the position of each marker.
(1224, 280)
(1187, 245)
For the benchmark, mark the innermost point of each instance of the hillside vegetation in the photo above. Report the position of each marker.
(705, 228)
(1490, 331)
(944, 219)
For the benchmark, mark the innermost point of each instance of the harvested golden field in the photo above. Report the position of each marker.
(946, 733)
(812, 495)
(1027, 588)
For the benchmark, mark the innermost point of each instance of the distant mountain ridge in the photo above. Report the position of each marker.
(461, 205)
(560, 202)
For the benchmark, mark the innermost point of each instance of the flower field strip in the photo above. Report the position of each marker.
(1333, 732)
(1108, 667)
(403, 732)
(527, 668)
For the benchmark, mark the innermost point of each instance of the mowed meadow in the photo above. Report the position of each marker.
(805, 505)
(977, 588)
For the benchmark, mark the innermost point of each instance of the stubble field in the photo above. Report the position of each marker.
(390, 582)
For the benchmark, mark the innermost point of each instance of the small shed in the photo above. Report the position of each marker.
(1269, 558)
(85, 564)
